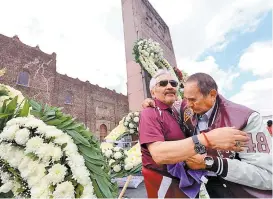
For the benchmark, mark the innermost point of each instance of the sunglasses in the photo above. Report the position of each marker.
(164, 83)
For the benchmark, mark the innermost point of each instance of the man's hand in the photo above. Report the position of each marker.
(196, 162)
(148, 103)
(227, 138)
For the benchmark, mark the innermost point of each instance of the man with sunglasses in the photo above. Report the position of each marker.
(231, 175)
(163, 142)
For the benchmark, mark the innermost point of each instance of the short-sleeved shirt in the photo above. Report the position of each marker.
(155, 126)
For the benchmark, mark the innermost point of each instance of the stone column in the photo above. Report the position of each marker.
(135, 81)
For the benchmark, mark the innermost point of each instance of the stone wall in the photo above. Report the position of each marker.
(18, 57)
(89, 103)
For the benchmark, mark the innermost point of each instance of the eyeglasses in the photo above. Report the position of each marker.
(164, 83)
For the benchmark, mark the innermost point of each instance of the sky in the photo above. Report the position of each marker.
(230, 40)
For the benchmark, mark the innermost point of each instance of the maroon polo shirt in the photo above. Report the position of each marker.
(153, 128)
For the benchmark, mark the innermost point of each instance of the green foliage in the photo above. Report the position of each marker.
(87, 144)
(125, 173)
(3, 93)
(11, 109)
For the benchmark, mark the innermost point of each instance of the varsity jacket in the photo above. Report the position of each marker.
(247, 173)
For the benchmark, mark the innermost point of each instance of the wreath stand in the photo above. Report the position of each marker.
(125, 187)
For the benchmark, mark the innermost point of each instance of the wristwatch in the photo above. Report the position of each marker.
(198, 147)
(209, 161)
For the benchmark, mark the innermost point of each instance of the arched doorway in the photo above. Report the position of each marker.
(103, 131)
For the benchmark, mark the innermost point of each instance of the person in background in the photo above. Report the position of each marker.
(269, 126)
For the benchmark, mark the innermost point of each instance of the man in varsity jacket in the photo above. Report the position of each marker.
(231, 175)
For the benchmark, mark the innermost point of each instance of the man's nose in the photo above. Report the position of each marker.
(169, 85)
(189, 103)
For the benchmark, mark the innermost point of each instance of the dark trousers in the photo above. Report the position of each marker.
(217, 189)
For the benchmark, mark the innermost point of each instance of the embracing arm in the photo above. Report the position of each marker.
(171, 152)
(255, 167)
(151, 136)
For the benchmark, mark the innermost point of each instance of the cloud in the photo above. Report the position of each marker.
(198, 26)
(88, 37)
(87, 45)
(258, 59)
(223, 78)
(256, 95)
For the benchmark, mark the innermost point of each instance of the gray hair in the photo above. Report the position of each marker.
(159, 73)
(204, 82)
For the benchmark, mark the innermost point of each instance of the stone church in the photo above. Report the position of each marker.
(33, 72)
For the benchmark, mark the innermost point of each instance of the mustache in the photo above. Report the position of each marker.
(170, 91)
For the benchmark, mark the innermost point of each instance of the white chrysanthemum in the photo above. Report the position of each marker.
(131, 125)
(44, 152)
(64, 190)
(46, 194)
(81, 174)
(53, 133)
(136, 119)
(33, 144)
(131, 159)
(136, 113)
(40, 190)
(5, 177)
(127, 160)
(130, 114)
(46, 128)
(56, 174)
(108, 153)
(126, 124)
(22, 136)
(57, 154)
(36, 175)
(117, 148)
(13, 93)
(127, 119)
(111, 161)
(71, 149)
(5, 188)
(2, 150)
(63, 139)
(132, 131)
(9, 132)
(117, 168)
(15, 156)
(29, 169)
(14, 121)
(34, 123)
(117, 155)
(75, 160)
(128, 166)
(24, 163)
(88, 191)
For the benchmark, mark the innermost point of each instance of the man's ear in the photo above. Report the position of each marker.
(153, 93)
(213, 93)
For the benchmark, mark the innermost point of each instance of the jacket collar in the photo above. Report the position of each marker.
(162, 105)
